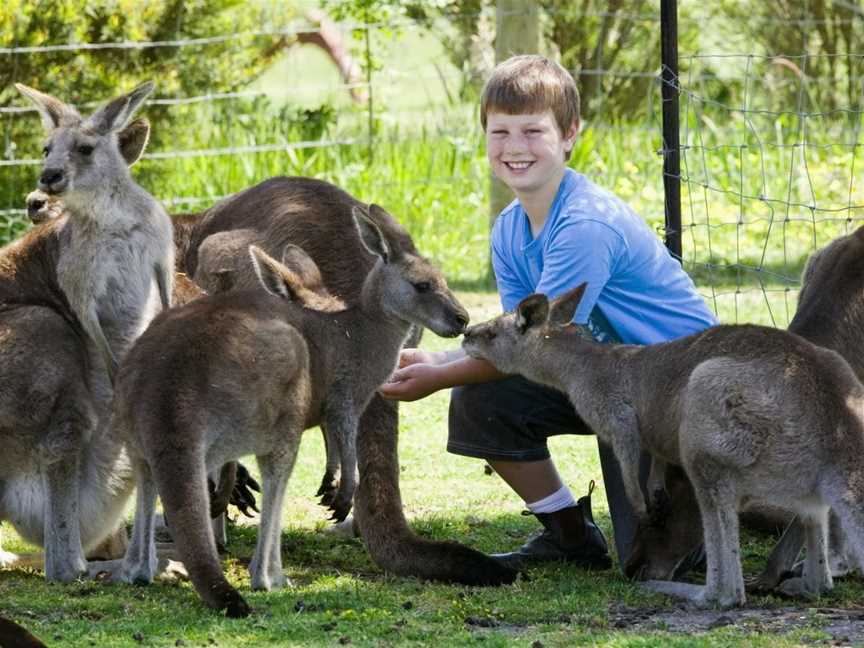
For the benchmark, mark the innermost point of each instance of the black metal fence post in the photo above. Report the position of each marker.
(671, 143)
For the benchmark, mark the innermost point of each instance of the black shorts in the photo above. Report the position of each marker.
(509, 420)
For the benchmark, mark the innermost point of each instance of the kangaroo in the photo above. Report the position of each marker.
(317, 216)
(224, 264)
(65, 478)
(752, 414)
(258, 371)
(120, 237)
(830, 313)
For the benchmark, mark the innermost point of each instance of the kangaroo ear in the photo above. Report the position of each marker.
(116, 113)
(276, 278)
(532, 311)
(133, 139)
(371, 235)
(297, 259)
(53, 111)
(563, 308)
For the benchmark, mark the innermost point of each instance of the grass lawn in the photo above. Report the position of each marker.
(340, 597)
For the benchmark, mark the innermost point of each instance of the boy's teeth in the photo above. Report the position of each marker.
(518, 165)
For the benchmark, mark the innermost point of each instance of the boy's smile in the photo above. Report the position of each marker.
(527, 152)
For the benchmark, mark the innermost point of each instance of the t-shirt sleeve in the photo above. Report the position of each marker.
(510, 288)
(581, 251)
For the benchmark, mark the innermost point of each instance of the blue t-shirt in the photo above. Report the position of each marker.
(637, 293)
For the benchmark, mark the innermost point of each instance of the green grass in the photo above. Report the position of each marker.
(339, 593)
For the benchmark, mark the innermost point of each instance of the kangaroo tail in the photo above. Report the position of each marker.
(184, 498)
(378, 509)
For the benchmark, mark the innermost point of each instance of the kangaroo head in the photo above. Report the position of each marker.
(402, 283)
(84, 155)
(132, 141)
(296, 278)
(508, 340)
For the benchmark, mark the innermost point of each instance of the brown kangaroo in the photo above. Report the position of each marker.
(258, 370)
(316, 216)
(752, 414)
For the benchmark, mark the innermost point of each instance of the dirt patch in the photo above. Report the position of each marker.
(844, 626)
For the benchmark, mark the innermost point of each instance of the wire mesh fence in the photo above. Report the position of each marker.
(767, 168)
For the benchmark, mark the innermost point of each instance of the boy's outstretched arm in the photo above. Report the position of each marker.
(421, 373)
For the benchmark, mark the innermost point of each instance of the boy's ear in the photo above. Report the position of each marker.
(572, 133)
(563, 308)
(532, 311)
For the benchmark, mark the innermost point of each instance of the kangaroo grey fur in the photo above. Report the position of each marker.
(753, 414)
(316, 215)
(269, 368)
(121, 237)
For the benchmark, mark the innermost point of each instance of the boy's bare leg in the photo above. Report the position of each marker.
(569, 532)
(535, 480)
(531, 480)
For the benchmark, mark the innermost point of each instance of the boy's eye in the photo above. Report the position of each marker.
(85, 149)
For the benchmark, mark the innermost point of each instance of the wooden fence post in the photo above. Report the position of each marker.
(517, 31)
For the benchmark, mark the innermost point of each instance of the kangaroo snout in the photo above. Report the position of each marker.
(53, 180)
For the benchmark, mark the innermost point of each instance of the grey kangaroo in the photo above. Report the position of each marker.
(118, 264)
(65, 478)
(245, 372)
(753, 414)
(830, 313)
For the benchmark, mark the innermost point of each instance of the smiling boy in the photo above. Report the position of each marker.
(561, 230)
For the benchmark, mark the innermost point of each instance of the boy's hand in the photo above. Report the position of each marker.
(416, 376)
(416, 356)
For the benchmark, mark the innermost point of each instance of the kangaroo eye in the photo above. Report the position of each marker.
(85, 149)
(45, 151)
(422, 286)
(491, 335)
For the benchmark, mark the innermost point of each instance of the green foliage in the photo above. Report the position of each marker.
(820, 39)
(84, 75)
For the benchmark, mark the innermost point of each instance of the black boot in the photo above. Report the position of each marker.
(569, 535)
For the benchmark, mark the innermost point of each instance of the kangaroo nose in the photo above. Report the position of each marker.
(462, 321)
(51, 177)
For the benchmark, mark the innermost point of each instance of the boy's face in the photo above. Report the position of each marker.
(526, 152)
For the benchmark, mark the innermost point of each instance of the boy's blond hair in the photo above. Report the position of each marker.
(531, 83)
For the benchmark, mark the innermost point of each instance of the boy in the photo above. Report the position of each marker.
(561, 230)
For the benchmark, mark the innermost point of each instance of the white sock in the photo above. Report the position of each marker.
(560, 499)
